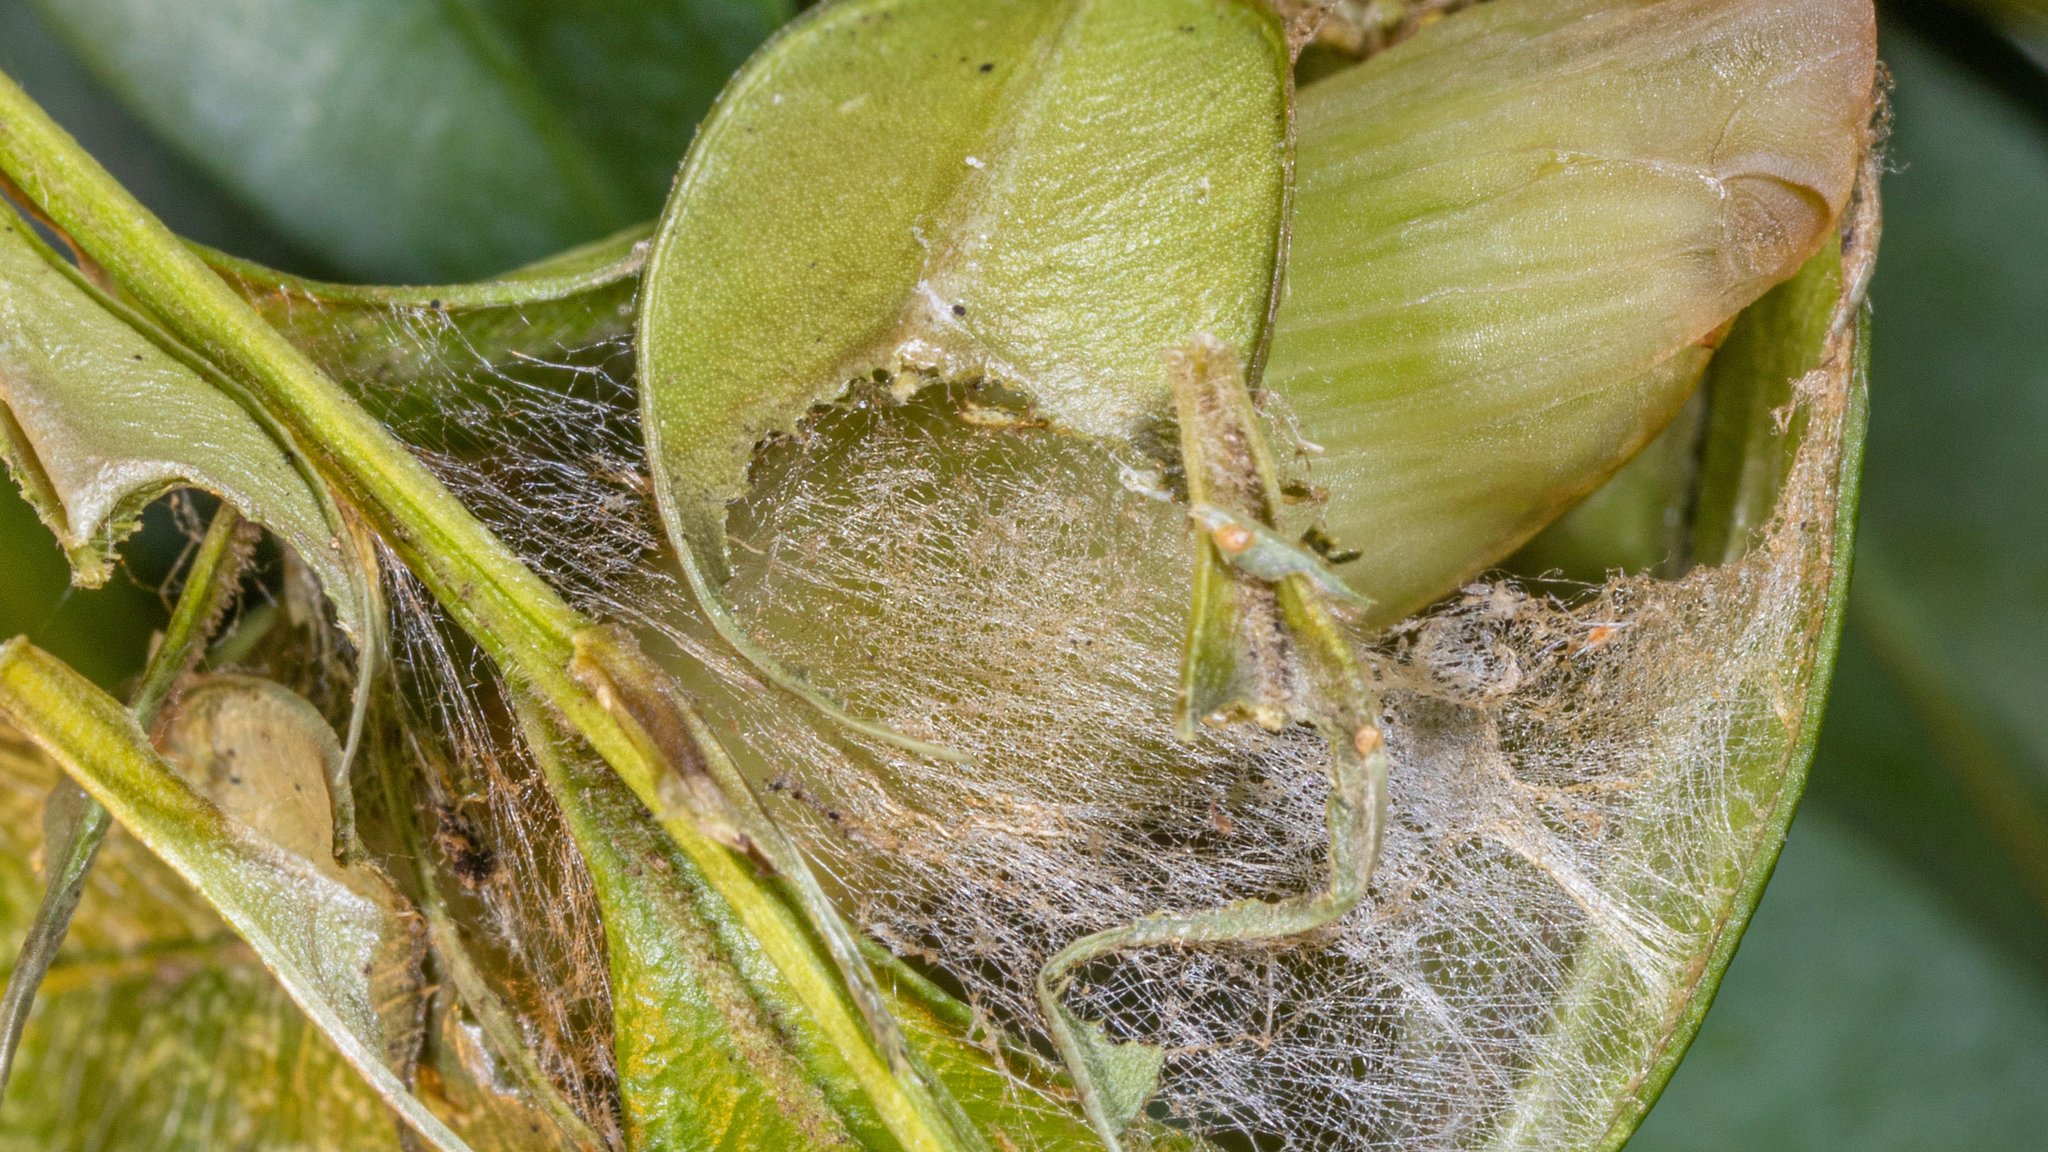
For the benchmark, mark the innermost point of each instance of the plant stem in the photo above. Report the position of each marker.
(591, 675)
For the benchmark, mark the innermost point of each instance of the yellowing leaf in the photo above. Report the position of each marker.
(331, 939)
(156, 1023)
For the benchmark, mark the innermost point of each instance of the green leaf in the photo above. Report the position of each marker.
(156, 1019)
(1159, 122)
(959, 182)
(99, 417)
(397, 347)
(1937, 745)
(1863, 1015)
(1515, 238)
(338, 941)
(412, 141)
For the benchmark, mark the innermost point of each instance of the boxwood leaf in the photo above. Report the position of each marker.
(98, 417)
(393, 335)
(1047, 197)
(1583, 1078)
(1516, 238)
(425, 141)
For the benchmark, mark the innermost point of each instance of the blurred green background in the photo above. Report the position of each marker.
(1892, 992)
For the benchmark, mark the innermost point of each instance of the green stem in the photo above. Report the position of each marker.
(75, 824)
(589, 675)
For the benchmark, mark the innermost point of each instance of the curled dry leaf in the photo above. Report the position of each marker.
(98, 418)
(340, 941)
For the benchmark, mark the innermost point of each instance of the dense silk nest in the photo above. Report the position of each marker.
(1584, 793)
(1581, 791)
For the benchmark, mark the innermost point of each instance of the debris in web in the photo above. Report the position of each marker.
(1360, 28)
(1580, 791)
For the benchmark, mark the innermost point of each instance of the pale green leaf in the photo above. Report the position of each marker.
(97, 419)
(1046, 198)
(1515, 237)
(701, 1063)
(75, 825)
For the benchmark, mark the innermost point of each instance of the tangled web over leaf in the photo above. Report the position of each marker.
(1578, 791)
(1581, 792)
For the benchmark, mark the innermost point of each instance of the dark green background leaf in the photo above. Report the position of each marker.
(403, 140)
(173, 187)
(1938, 740)
(1860, 1016)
